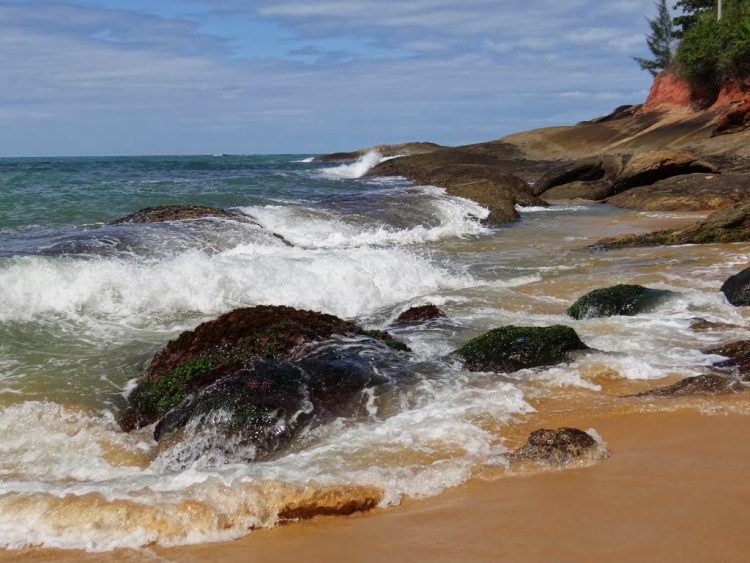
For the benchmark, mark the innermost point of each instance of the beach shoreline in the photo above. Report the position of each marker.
(671, 490)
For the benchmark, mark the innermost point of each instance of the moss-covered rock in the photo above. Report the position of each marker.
(511, 348)
(622, 299)
(223, 346)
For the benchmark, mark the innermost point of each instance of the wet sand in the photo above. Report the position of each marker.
(674, 489)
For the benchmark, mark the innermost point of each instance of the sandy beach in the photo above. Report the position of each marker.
(672, 490)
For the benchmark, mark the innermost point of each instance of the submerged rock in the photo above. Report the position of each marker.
(176, 213)
(707, 384)
(699, 324)
(730, 224)
(557, 447)
(737, 354)
(737, 288)
(220, 348)
(622, 299)
(511, 348)
(420, 313)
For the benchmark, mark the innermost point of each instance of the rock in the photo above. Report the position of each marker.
(729, 224)
(511, 348)
(500, 204)
(420, 313)
(734, 119)
(557, 447)
(585, 170)
(650, 166)
(176, 213)
(222, 347)
(668, 91)
(595, 191)
(388, 340)
(737, 354)
(707, 384)
(737, 288)
(622, 299)
(688, 192)
(620, 112)
(386, 150)
(699, 324)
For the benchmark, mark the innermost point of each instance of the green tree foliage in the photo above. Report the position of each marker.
(659, 40)
(691, 12)
(712, 51)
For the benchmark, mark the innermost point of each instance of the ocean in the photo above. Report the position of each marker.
(85, 304)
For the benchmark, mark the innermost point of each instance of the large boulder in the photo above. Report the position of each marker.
(511, 348)
(622, 299)
(650, 166)
(594, 191)
(737, 288)
(558, 447)
(176, 213)
(420, 313)
(688, 192)
(224, 347)
(707, 384)
(586, 170)
(729, 224)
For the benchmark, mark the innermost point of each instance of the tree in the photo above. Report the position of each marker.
(691, 12)
(659, 40)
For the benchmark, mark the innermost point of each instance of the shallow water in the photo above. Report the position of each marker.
(84, 305)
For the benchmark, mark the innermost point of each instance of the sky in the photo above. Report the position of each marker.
(110, 77)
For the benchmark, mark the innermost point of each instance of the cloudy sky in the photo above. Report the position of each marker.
(91, 77)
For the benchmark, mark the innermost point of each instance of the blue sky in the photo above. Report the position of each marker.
(91, 77)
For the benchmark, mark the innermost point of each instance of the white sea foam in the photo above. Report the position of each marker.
(345, 282)
(553, 207)
(316, 228)
(356, 169)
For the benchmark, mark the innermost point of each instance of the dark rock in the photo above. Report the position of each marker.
(699, 324)
(707, 384)
(488, 194)
(400, 149)
(388, 340)
(730, 224)
(221, 347)
(622, 299)
(737, 354)
(650, 166)
(594, 191)
(620, 112)
(420, 314)
(556, 447)
(511, 348)
(688, 192)
(585, 170)
(737, 288)
(176, 213)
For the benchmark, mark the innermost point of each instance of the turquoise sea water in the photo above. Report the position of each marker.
(84, 305)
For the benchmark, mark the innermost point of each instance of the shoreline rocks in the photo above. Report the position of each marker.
(557, 447)
(512, 348)
(707, 384)
(737, 288)
(622, 299)
(164, 213)
(420, 313)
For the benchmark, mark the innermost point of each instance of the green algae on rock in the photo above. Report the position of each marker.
(621, 299)
(511, 348)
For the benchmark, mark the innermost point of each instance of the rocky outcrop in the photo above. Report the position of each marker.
(597, 169)
(400, 149)
(620, 112)
(733, 102)
(223, 348)
(737, 288)
(730, 224)
(707, 384)
(558, 447)
(689, 192)
(511, 348)
(420, 313)
(593, 191)
(668, 91)
(647, 167)
(737, 356)
(177, 213)
(623, 299)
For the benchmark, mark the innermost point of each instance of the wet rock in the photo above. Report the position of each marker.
(729, 224)
(737, 354)
(689, 192)
(593, 191)
(176, 213)
(700, 324)
(420, 313)
(511, 348)
(650, 166)
(222, 347)
(556, 447)
(737, 288)
(707, 384)
(388, 340)
(584, 171)
(622, 299)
